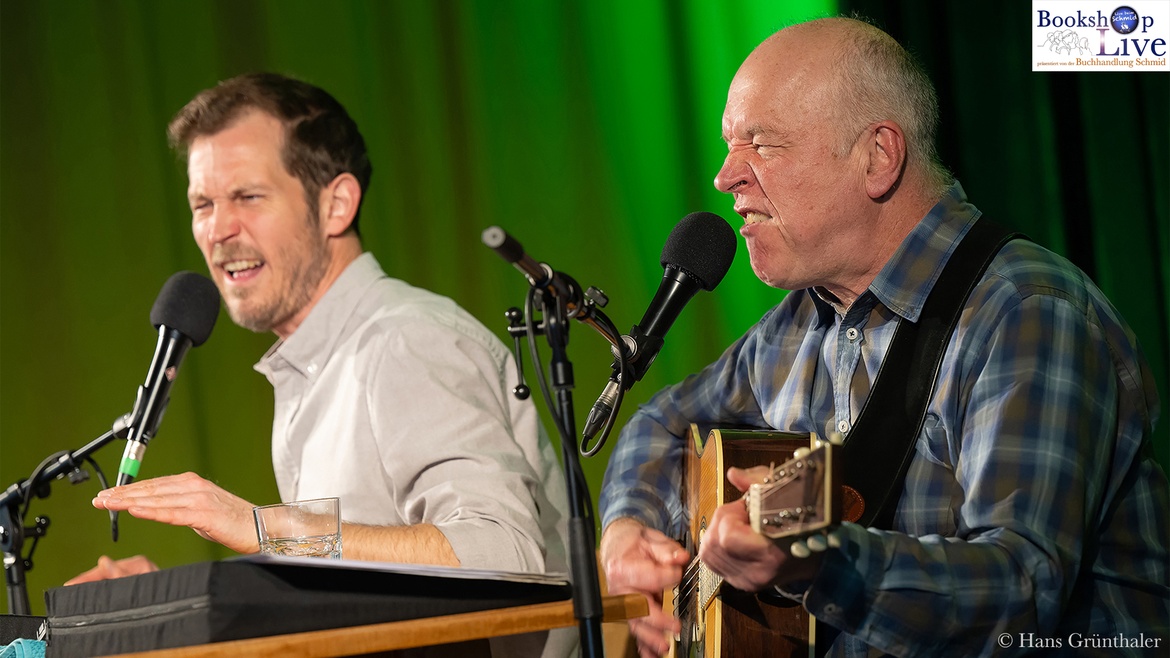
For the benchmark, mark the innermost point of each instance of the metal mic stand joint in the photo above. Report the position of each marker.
(14, 506)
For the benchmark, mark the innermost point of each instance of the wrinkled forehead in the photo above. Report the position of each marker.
(779, 80)
(248, 149)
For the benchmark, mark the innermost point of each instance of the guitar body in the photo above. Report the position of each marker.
(733, 623)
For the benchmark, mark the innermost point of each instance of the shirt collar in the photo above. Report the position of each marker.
(909, 275)
(311, 344)
(907, 278)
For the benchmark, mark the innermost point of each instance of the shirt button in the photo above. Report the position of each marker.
(831, 609)
(852, 333)
(312, 368)
(843, 426)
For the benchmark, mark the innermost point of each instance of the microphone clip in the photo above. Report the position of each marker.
(642, 349)
(517, 331)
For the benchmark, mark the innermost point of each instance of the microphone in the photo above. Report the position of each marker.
(696, 256)
(539, 274)
(184, 314)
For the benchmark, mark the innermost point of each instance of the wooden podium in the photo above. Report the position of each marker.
(391, 636)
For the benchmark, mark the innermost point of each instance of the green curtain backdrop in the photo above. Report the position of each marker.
(585, 128)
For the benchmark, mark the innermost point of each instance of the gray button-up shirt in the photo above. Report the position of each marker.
(399, 402)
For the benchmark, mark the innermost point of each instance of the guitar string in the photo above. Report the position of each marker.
(693, 572)
(689, 579)
(686, 587)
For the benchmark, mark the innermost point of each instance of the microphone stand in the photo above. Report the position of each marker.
(561, 299)
(583, 561)
(12, 529)
(555, 313)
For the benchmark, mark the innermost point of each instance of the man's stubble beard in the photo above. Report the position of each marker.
(305, 276)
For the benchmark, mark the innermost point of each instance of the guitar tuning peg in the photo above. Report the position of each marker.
(834, 539)
(800, 453)
(836, 438)
(817, 543)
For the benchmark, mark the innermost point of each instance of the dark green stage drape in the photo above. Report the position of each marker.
(585, 128)
(1078, 161)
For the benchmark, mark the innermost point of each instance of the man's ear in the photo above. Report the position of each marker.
(886, 153)
(338, 204)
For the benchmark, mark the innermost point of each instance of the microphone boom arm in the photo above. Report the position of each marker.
(14, 506)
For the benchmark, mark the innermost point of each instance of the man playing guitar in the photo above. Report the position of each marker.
(1031, 502)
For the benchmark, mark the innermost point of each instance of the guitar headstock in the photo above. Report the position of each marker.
(800, 496)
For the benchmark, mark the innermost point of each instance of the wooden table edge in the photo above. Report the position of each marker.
(390, 636)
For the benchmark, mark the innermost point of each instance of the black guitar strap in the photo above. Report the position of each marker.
(878, 450)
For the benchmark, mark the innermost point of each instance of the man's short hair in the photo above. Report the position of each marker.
(321, 141)
(878, 80)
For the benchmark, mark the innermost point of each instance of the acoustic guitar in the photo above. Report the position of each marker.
(801, 496)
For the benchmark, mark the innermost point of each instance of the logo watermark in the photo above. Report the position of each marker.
(1079, 641)
(1087, 35)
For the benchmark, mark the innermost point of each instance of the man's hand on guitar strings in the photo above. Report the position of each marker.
(645, 561)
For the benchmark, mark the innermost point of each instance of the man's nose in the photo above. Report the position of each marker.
(734, 174)
(222, 225)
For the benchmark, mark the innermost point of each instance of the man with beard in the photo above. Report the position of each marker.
(1032, 507)
(365, 366)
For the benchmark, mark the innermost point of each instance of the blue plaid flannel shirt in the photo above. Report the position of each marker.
(1032, 506)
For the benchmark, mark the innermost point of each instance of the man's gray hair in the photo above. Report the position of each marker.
(879, 80)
